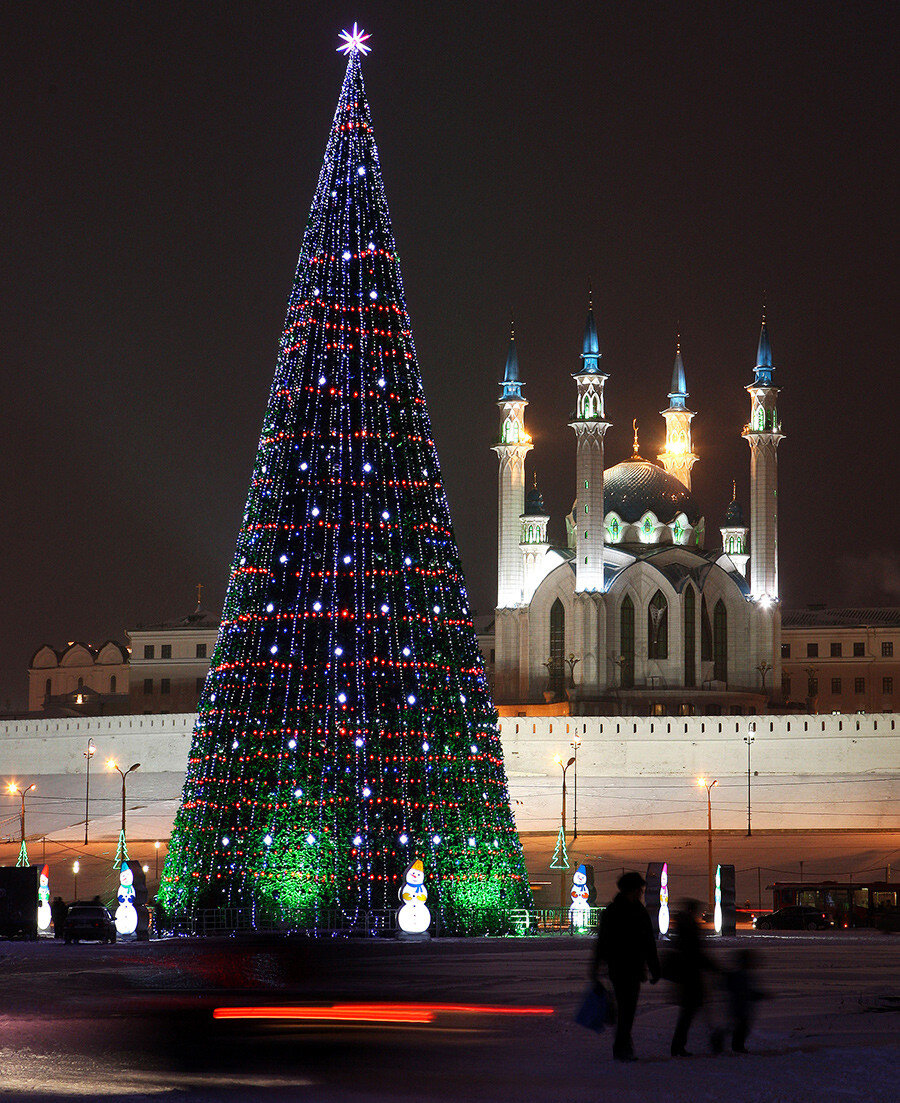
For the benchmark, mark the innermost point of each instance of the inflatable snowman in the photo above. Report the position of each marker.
(43, 916)
(126, 913)
(664, 899)
(414, 918)
(580, 909)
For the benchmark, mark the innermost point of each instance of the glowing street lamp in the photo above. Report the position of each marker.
(88, 755)
(14, 787)
(576, 743)
(122, 849)
(156, 870)
(562, 878)
(708, 786)
(76, 866)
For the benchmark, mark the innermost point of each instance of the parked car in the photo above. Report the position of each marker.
(90, 923)
(796, 918)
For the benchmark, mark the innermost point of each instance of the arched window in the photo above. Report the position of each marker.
(48, 686)
(658, 627)
(112, 683)
(690, 637)
(613, 530)
(706, 647)
(81, 683)
(626, 642)
(720, 642)
(557, 648)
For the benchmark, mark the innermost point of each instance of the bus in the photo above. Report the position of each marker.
(845, 903)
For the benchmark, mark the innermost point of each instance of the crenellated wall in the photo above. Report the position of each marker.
(633, 773)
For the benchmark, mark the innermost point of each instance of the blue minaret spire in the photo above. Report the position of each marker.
(764, 367)
(590, 351)
(512, 385)
(679, 391)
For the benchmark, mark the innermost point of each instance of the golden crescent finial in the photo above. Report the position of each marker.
(634, 423)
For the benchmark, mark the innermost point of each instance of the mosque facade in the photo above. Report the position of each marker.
(637, 615)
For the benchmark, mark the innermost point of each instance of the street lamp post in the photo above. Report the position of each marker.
(88, 755)
(122, 849)
(14, 787)
(75, 868)
(156, 870)
(748, 739)
(711, 888)
(562, 873)
(576, 743)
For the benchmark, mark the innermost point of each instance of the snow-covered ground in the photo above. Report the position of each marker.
(117, 1023)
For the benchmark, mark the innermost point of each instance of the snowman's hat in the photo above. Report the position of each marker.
(417, 866)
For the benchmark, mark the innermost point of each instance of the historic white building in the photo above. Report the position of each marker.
(636, 615)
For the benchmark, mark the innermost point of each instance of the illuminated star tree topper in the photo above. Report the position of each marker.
(354, 42)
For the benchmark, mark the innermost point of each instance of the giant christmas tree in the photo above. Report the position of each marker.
(346, 727)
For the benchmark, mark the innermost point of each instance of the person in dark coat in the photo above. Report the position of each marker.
(686, 965)
(743, 995)
(59, 909)
(625, 943)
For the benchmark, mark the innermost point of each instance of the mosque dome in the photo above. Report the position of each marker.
(637, 485)
(734, 515)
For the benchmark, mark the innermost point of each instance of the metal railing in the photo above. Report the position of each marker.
(222, 922)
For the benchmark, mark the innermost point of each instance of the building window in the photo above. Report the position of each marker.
(785, 651)
(859, 651)
(149, 651)
(835, 651)
(812, 687)
(887, 650)
(48, 687)
(112, 683)
(165, 687)
(658, 627)
(626, 642)
(705, 633)
(720, 642)
(685, 709)
(812, 651)
(786, 685)
(836, 686)
(165, 651)
(859, 685)
(690, 636)
(557, 667)
(887, 685)
(81, 683)
(657, 709)
(198, 686)
(201, 651)
(148, 686)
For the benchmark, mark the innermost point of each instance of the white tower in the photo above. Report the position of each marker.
(514, 446)
(763, 434)
(735, 541)
(590, 427)
(678, 458)
(534, 545)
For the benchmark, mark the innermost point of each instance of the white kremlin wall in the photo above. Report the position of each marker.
(632, 773)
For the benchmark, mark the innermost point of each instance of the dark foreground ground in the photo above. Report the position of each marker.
(135, 1022)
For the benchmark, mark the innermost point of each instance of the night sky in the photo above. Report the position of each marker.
(686, 159)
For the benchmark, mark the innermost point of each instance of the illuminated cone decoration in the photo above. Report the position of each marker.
(346, 726)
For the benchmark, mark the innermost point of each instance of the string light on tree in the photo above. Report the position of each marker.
(346, 710)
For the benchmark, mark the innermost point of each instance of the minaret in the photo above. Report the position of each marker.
(763, 434)
(678, 458)
(512, 449)
(590, 427)
(734, 534)
(534, 545)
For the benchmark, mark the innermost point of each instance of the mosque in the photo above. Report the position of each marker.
(636, 615)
